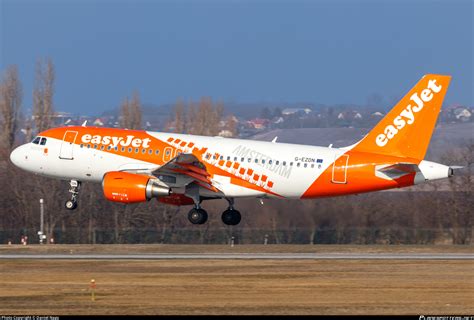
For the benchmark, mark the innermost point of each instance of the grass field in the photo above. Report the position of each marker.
(236, 286)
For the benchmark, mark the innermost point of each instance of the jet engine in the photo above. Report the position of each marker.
(130, 188)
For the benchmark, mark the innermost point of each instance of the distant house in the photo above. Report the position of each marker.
(59, 118)
(299, 111)
(462, 114)
(279, 120)
(377, 114)
(98, 122)
(258, 123)
(349, 115)
(225, 134)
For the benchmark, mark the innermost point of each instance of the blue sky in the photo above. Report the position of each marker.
(237, 51)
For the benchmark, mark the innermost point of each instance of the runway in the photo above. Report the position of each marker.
(245, 256)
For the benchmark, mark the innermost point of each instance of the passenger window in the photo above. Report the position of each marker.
(242, 159)
(284, 163)
(305, 165)
(102, 147)
(129, 150)
(136, 150)
(109, 147)
(256, 160)
(228, 158)
(249, 159)
(95, 146)
(298, 164)
(270, 161)
(312, 165)
(151, 151)
(235, 159)
(82, 145)
(36, 140)
(222, 157)
(277, 162)
(263, 161)
(157, 151)
(123, 149)
(43, 141)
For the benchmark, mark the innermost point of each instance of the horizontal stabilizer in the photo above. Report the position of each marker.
(395, 171)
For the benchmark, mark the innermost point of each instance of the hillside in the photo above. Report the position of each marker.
(445, 137)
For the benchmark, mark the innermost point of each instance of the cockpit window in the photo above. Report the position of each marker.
(43, 141)
(36, 140)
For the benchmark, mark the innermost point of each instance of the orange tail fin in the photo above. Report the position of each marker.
(406, 130)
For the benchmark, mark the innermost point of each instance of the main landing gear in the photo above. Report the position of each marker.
(197, 215)
(74, 191)
(230, 217)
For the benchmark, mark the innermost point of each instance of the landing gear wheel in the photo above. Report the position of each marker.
(197, 216)
(231, 217)
(70, 204)
(74, 191)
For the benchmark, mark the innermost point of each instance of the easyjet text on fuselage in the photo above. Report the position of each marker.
(129, 140)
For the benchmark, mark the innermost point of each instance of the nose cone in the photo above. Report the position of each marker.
(17, 157)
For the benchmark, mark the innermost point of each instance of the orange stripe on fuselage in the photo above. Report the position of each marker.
(360, 176)
(154, 144)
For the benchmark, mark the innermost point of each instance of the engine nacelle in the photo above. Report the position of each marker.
(130, 188)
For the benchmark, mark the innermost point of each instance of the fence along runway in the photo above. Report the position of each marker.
(245, 256)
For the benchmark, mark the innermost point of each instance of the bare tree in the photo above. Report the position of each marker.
(462, 187)
(180, 117)
(43, 94)
(136, 111)
(125, 120)
(10, 103)
(131, 113)
(205, 118)
(190, 118)
(231, 125)
(218, 112)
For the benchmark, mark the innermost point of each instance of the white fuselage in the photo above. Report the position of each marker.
(291, 167)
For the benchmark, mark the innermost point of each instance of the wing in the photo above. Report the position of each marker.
(183, 170)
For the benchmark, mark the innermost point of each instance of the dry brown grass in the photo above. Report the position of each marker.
(237, 287)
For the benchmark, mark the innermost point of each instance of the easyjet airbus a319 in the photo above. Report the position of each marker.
(180, 169)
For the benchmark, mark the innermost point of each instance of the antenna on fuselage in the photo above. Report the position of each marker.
(84, 124)
(330, 146)
(275, 139)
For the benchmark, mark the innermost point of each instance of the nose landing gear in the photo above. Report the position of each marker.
(74, 191)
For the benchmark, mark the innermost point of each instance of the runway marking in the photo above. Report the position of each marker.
(246, 256)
